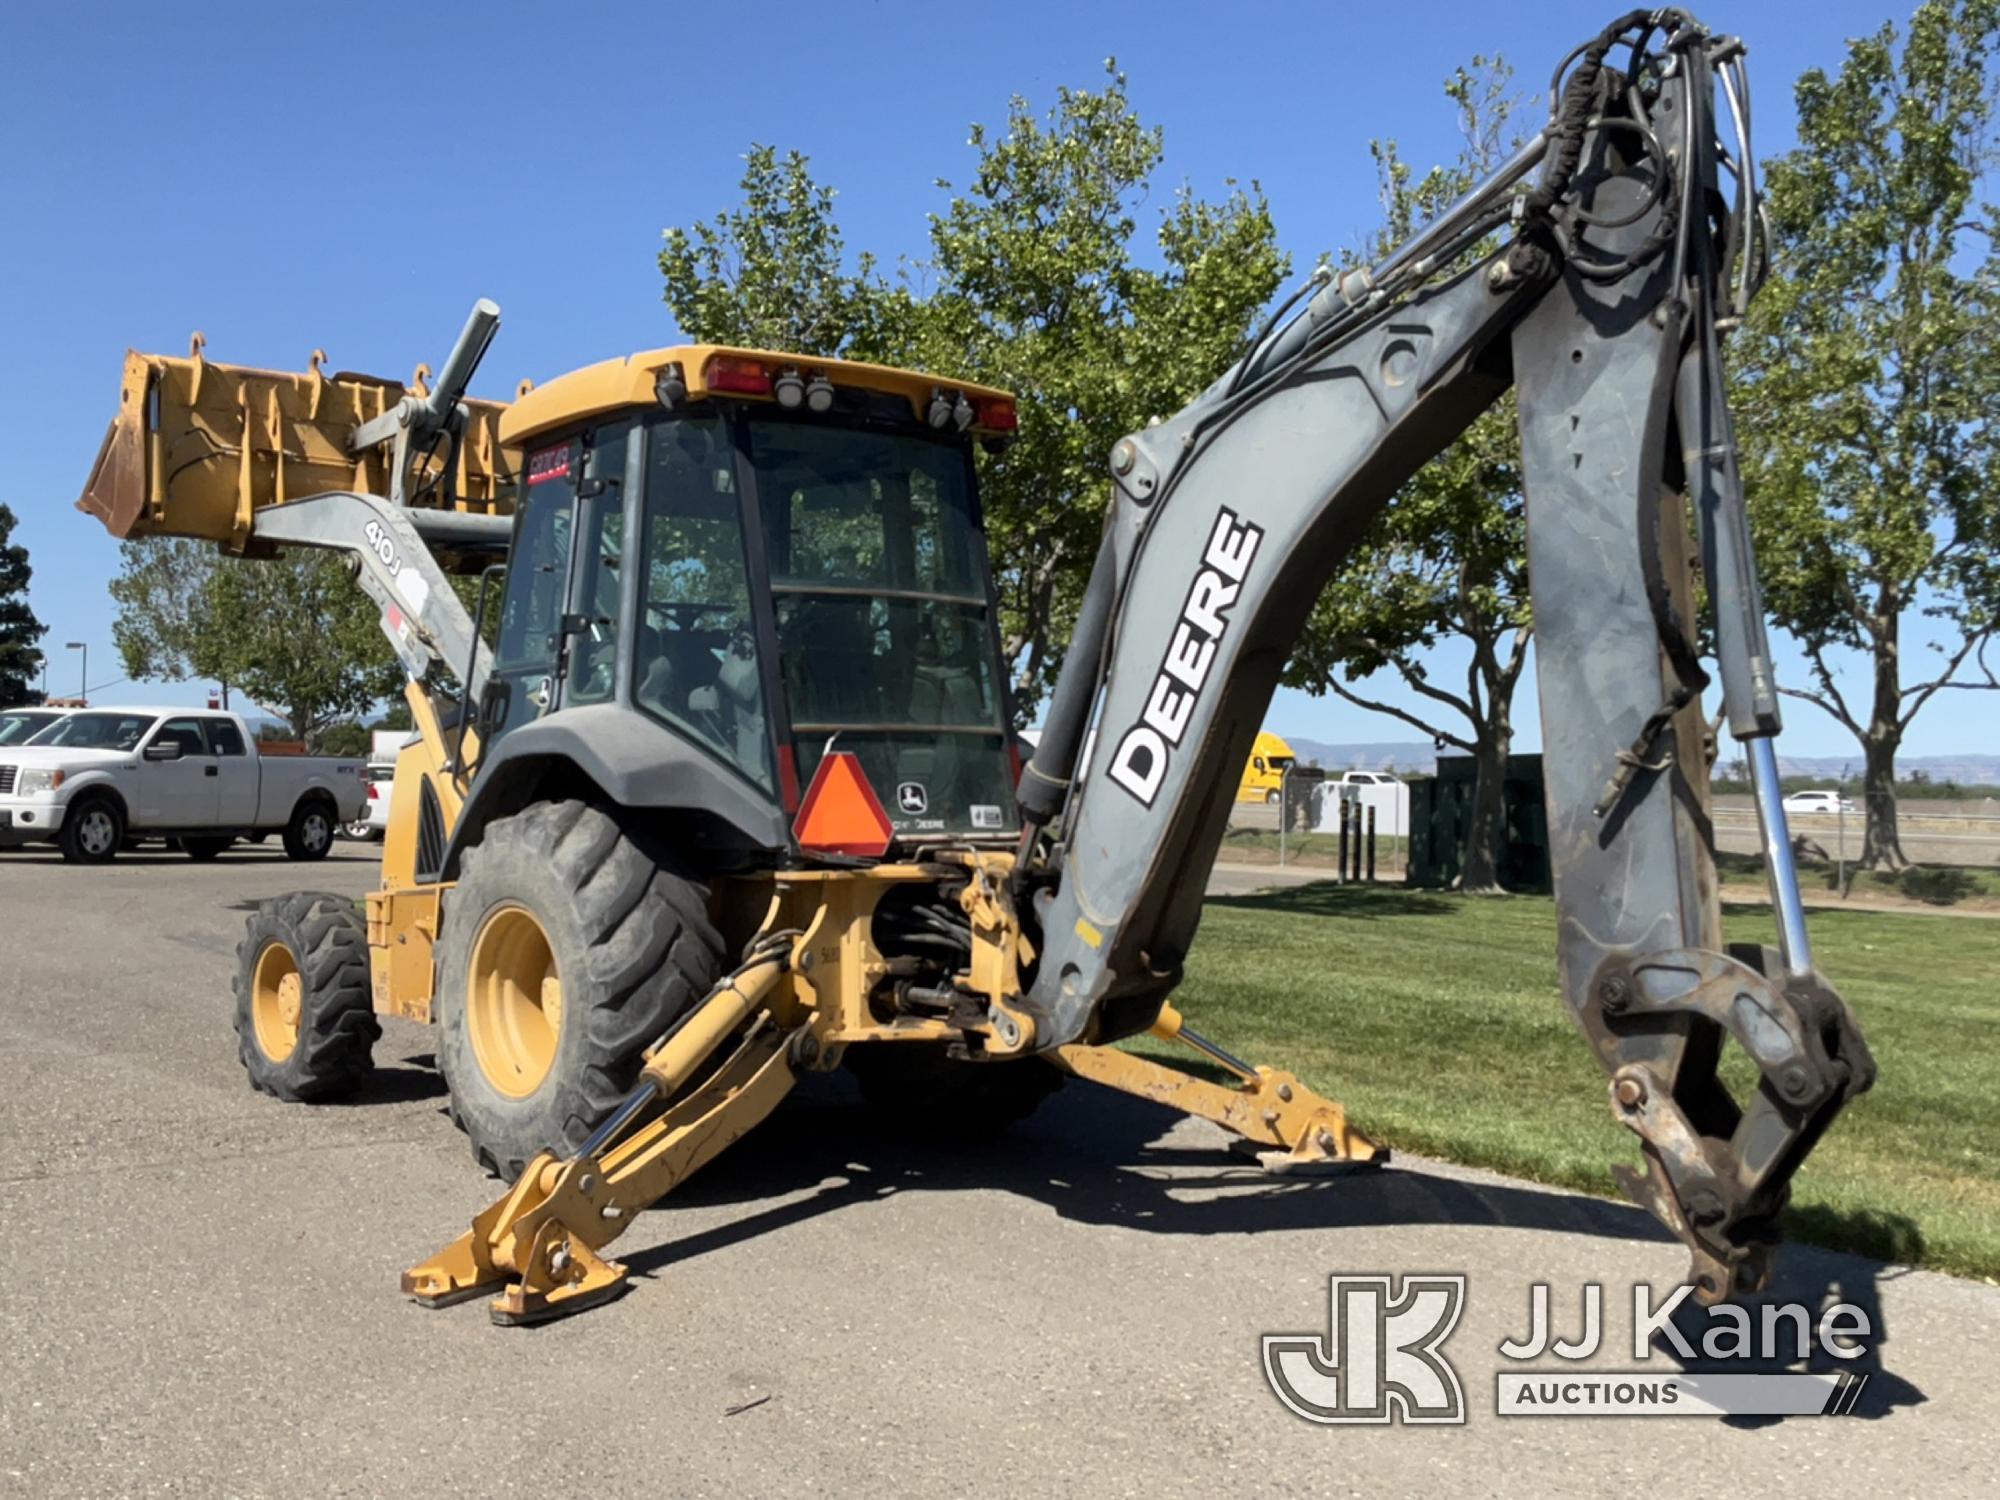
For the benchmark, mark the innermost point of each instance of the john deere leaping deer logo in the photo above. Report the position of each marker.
(911, 798)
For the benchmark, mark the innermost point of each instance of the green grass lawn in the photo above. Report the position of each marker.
(1436, 1020)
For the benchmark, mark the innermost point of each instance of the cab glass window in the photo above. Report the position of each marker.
(14, 728)
(98, 731)
(600, 566)
(224, 738)
(696, 649)
(183, 732)
(885, 639)
(538, 566)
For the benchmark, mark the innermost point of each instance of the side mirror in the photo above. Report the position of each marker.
(165, 750)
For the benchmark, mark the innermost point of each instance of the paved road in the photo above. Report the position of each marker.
(197, 1286)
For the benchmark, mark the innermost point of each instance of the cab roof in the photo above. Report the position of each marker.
(617, 384)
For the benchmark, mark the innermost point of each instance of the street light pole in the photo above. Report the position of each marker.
(83, 670)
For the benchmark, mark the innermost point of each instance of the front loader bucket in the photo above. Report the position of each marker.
(197, 448)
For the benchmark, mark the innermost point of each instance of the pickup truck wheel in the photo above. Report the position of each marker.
(203, 850)
(93, 832)
(310, 833)
(305, 1024)
(920, 1091)
(565, 952)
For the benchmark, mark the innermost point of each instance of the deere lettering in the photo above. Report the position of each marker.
(1140, 763)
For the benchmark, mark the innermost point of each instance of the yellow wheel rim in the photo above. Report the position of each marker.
(513, 1001)
(277, 995)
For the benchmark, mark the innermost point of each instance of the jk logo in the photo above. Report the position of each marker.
(1383, 1362)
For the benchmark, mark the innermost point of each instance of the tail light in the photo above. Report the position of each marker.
(374, 791)
(999, 415)
(729, 372)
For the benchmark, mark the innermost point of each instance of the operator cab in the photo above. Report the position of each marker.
(767, 558)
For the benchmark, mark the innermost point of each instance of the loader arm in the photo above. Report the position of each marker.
(1625, 251)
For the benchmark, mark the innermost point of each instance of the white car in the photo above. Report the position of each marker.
(378, 782)
(101, 777)
(1828, 803)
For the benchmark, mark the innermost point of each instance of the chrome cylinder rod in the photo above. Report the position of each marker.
(1779, 867)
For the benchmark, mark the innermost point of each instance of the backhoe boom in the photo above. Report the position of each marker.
(1601, 310)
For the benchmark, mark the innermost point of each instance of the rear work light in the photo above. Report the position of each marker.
(728, 372)
(999, 416)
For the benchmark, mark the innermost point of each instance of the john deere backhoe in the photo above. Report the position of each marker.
(731, 796)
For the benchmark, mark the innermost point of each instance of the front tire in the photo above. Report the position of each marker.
(566, 951)
(309, 835)
(305, 1024)
(93, 832)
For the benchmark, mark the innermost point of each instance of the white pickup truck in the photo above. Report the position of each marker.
(102, 777)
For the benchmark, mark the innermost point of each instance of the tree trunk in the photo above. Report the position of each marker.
(1486, 827)
(1882, 843)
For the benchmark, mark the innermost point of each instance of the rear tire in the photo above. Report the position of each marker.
(92, 832)
(305, 1024)
(310, 833)
(566, 951)
(922, 1091)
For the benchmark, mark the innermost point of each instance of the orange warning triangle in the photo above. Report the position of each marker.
(841, 813)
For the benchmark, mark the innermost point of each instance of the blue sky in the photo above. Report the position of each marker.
(284, 177)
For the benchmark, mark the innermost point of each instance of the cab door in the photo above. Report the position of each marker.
(560, 607)
(525, 681)
(236, 774)
(177, 790)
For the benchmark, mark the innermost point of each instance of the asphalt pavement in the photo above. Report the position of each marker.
(198, 1286)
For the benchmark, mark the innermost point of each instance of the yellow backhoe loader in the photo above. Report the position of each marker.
(717, 786)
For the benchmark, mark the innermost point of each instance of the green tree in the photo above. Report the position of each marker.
(772, 272)
(1038, 279)
(1043, 284)
(1447, 560)
(20, 657)
(347, 738)
(294, 634)
(1869, 383)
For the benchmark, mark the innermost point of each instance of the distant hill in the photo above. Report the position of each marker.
(1966, 770)
(1414, 757)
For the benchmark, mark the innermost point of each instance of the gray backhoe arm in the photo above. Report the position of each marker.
(1601, 311)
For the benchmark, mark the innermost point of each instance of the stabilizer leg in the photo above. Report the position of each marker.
(538, 1244)
(1290, 1128)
